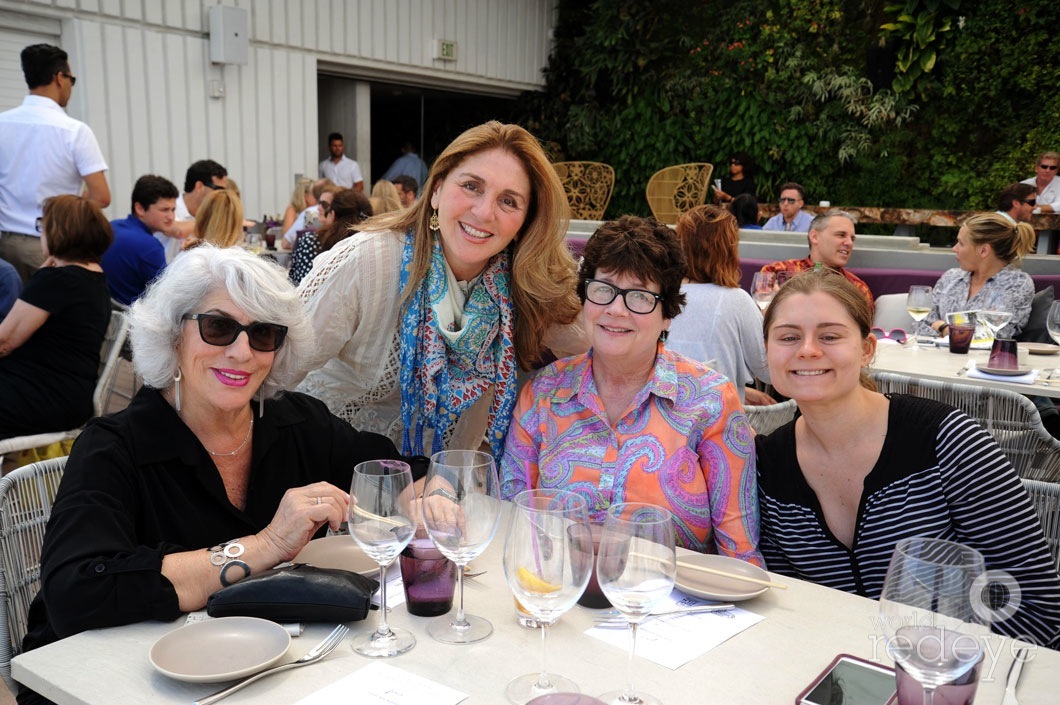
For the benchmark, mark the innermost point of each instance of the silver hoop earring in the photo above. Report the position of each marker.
(176, 389)
(261, 401)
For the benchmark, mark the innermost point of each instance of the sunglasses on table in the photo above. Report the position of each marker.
(222, 331)
(636, 300)
(1049, 167)
(897, 335)
(788, 200)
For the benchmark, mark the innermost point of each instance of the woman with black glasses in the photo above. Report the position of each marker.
(630, 420)
(212, 473)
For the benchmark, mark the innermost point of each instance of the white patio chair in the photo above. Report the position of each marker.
(113, 341)
(1046, 499)
(26, 498)
(1009, 417)
(890, 313)
(766, 419)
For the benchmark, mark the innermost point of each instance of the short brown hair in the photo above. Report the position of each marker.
(75, 229)
(830, 282)
(640, 247)
(710, 238)
(351, 208)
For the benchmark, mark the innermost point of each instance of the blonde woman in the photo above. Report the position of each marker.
(987, 276)
(385, 197)
(424, 316)
(301, 198)
(219, 221)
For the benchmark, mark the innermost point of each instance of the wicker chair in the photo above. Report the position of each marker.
(26, 497)
(109, 356)
(766, 419)
(1009, 417)
(1045, 496)
(678, 189)
(588, 186)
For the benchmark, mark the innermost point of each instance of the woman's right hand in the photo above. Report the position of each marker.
(302, 511)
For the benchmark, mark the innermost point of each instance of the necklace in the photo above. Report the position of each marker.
(242, 445)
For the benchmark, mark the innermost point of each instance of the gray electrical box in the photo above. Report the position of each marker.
(229, 35)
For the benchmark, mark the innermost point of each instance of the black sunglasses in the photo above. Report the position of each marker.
(73, 78)
(222, 331)
(1030, 202)
(211, 185)
(788, 200)
(735, 161)
(1048, 167)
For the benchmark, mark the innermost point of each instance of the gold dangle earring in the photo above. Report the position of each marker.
(433, 222)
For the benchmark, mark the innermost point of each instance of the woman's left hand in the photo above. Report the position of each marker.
(302, 511)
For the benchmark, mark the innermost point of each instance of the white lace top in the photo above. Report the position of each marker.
(353, 300)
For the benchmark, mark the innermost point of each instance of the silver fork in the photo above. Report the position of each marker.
(318, 652)
(611, 620)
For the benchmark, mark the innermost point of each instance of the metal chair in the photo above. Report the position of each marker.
(588, 186)
(1045, 496)
(113, 341)
(678, 189)
(766, 419)
(1009, 417)
(26, 498)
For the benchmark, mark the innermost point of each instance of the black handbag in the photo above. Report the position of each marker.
(297, 593)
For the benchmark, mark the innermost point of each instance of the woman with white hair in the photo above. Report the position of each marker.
(211, 474)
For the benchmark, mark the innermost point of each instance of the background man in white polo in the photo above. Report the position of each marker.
(43, 152)
(342, 170)
(1046, 183)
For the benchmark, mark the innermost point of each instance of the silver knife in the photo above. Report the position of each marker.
(1013, 678)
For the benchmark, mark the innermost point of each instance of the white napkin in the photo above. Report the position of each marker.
(383, 684)
(1028, 378)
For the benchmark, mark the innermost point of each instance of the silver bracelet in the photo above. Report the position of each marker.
(226, 556)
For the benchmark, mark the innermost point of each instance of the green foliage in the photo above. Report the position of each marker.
(642, 84)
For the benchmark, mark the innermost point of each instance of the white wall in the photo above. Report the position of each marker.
(144, 76)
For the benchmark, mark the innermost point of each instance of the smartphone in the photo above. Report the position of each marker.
(851, 681)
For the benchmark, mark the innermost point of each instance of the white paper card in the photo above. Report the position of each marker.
(395, 590)
(382, 684)
(675, 640)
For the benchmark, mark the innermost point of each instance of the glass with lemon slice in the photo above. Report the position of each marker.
(548, 557)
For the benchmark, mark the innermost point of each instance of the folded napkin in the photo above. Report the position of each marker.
(1028, 378)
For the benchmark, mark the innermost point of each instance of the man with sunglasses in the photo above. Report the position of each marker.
(1017, 203)
(791, 217)
(200, 180)
(1045, 183)
(43, 152)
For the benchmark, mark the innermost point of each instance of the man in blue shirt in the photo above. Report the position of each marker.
(791, 217)
(408, 164)
(136, 257)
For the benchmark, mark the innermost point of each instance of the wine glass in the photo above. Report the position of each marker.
(994, 320)
(461, 507)
(763, 288)
(1052, 322)
(918, 303)
(381, 522)
(636, 568)
(931, 612)
(548, 557)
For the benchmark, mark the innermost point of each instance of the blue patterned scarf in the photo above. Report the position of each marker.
(442, 377)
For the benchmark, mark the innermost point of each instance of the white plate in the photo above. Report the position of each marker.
(717, 587)
(340, 552)
(1040, 348)
(221, 649)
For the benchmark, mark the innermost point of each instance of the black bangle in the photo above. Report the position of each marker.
(942, 329)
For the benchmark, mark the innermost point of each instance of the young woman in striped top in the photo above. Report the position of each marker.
(857, 471)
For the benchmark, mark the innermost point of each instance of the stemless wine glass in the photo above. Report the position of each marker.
(548, 557)
(763, 288)
(381, 522)
(930, 610)
(1052, 322)
(994, 320)
(461, 507)
(918, 303)
(636, 567)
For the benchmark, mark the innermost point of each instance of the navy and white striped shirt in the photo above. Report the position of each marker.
(938, 475)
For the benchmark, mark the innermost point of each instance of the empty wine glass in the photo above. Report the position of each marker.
(1052, 323)
(381, 522)
(994, 320)
(929, 612)
(918, 304)
(763, 288)
(636, 567)
(548, 557)
(461, 507)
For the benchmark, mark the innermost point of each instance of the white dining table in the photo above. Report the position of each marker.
(940, 364)
(803, 629)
